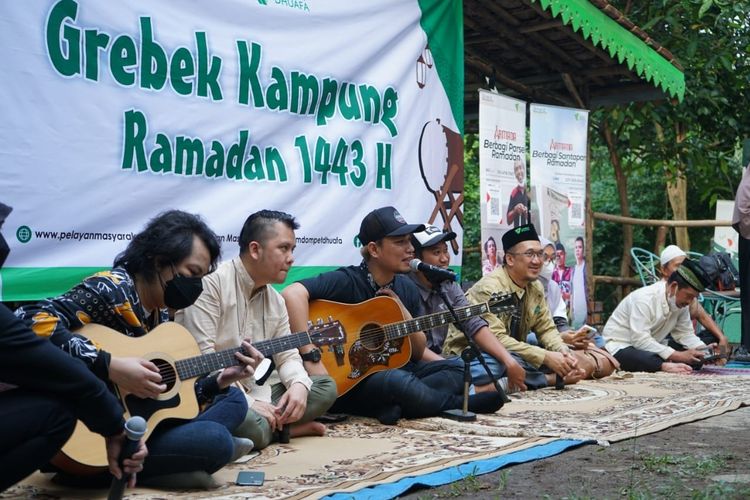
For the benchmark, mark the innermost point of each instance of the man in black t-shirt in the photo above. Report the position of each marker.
(418, 389)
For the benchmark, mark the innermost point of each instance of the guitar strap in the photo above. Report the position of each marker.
(373, 284)
(515, 317)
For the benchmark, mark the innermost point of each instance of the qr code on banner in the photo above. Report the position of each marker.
(576, 211)
(494, 207)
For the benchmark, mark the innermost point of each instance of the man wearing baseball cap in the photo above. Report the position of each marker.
(431, 247)
(636, 333)
(671, 259)
(542, 364)
(412, 391)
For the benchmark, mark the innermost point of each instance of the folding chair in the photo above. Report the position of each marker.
(645, 263)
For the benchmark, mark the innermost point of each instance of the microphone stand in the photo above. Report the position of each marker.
(472, 351)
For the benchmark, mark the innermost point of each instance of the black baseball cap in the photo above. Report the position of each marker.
(382, 222)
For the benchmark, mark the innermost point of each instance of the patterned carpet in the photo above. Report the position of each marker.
(360, 453)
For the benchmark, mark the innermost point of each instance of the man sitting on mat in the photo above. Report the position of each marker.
(543, 365)
(636, 332)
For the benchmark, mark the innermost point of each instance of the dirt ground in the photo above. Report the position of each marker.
(707, 459)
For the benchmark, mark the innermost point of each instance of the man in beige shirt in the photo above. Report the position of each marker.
(238, 303)
(523, 261)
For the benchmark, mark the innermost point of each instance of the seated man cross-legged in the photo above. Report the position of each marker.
(160, 270)
(542, 364)
(417, 389)
(636, 333)
(239, 303)
(431, 247)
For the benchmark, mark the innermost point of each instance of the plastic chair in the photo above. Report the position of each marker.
(645, 264)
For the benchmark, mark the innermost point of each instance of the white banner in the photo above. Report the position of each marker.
(559, 145)
(116, 111)
(502, 172)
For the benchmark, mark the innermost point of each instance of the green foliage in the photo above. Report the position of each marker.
(699, 138)
(472, 262)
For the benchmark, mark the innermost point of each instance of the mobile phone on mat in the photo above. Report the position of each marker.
(250, 478)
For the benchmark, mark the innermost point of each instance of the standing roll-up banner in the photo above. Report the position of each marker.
(116, 111)
(503, 188)
(558, 141)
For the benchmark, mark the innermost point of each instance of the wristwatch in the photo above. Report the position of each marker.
(313, 355)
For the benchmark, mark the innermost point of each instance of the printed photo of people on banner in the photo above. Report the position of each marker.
(554, 200)
(502, 172)
(558, 138)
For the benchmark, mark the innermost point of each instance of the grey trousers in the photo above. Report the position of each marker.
(322, 395)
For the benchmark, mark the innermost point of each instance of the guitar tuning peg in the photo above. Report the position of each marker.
(309, 324)
(320, 321)
(330, 319)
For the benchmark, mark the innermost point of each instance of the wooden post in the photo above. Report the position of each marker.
(661, 239)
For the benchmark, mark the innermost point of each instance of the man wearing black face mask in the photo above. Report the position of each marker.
(161, 268)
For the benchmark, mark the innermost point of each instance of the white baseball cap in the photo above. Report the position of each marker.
(432, 235)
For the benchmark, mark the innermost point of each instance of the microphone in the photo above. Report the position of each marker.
(135, 428)
(433, 273)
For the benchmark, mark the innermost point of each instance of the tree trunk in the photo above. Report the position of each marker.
(622, 191)
(677, 192)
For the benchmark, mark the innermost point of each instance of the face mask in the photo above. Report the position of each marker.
(182, 291)
(546, 271)
(672, 302)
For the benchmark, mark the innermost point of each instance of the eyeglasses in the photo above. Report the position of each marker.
(530, 254)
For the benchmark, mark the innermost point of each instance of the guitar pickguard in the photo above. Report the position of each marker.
(147, 407)
(362, 359)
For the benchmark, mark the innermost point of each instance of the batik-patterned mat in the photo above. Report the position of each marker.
(361, 453)
(612, 409)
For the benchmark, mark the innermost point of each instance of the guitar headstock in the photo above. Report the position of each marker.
(501, 302)
(330, 333)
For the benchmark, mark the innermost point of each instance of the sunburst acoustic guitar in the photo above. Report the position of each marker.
(376, 334)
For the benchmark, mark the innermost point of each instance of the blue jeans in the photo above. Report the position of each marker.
(204, 443)
(536, 378)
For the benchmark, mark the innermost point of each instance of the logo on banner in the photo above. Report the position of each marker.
(292, 4)
(23, 234)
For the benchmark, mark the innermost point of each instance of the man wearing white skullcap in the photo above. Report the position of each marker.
(669, 253)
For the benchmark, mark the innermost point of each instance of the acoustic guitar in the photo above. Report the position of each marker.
(376, 334)
(175, 352)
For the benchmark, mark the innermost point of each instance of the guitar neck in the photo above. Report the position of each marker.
(207, 363)
(407, 327)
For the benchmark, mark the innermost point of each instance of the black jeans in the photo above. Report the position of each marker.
(34, 428)
(422, 389)
(635, 360)
(744, 257)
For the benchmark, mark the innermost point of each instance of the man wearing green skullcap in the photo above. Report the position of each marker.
(636, 333)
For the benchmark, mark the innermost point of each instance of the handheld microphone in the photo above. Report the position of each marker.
(433, 273)
(135, 428)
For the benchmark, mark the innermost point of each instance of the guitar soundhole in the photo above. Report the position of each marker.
(372, 336)
(167, 372)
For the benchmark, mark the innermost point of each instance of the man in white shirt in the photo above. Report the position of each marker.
(239, 303)
(637, 330)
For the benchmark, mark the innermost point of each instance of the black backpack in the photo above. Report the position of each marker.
(720, 271)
